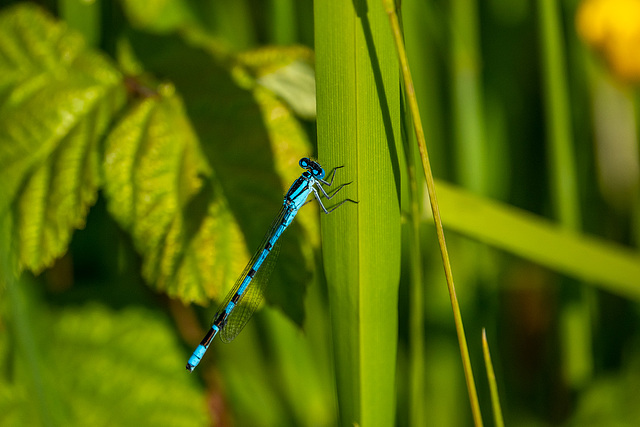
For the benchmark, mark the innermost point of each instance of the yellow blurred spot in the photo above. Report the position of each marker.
(613, 27)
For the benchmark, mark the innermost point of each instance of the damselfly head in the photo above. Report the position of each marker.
(313, 167)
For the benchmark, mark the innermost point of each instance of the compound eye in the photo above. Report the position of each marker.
(317, 171)
(304, 163)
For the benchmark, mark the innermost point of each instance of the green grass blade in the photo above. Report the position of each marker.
(283, 22)
(471, 150)
(558, 118)
(358, 127)
(416, 316)
(575, 315)
(426, 165)
(598, 262)
(493, 386)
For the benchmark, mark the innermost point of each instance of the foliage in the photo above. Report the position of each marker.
(80, 363)
(144, 150)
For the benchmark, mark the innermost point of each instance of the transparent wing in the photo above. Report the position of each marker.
(250, 300)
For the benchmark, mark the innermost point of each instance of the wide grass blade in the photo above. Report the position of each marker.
(358, 104)
(598, 262)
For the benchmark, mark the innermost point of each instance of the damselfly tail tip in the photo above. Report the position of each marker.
(190, 367)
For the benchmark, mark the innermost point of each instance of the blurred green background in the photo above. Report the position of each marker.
(144, 151)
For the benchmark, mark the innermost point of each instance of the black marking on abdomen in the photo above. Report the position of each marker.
(207, 338)
(220, 320)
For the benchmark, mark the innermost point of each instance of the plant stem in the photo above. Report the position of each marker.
(413, 107)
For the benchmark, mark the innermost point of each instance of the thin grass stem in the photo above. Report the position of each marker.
(493, 386)
(424, 156)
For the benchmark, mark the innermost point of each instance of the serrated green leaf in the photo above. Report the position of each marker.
(155, 186)
(56, 99)
(285, 71)
(100, 367)
(159, 16)
(252, 142)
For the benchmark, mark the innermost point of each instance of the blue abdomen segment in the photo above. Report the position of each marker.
(195, 358)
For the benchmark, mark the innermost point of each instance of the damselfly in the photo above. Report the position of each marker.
(245, 296)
